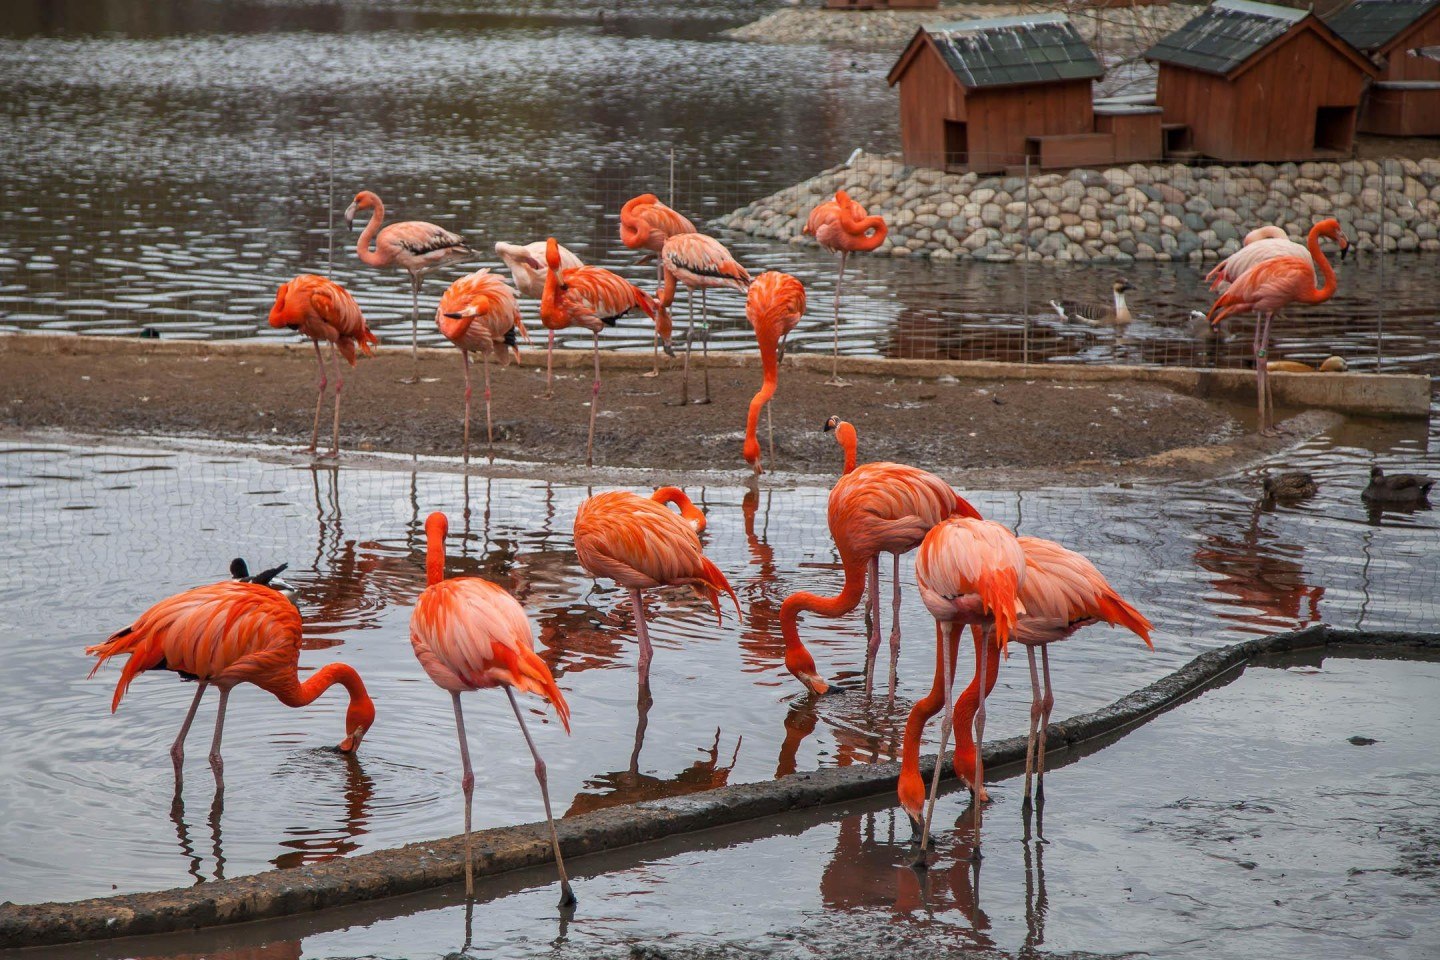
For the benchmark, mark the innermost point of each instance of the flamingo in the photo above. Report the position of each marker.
(226, 634)
(469, 634)
(842, 226)
(1271, 286)
(645, 224)
(322, 309)
(873, 509)
(641, 544)
(774, 305)
(527, 265)
(593, 298)
(701, 263)
(478, 312)
(970, 572)
(414, 246)
(1260, 244)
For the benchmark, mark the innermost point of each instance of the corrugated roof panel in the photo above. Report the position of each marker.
(1005, 51)
(1371, 24)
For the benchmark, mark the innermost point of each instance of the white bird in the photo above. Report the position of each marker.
(527, 265)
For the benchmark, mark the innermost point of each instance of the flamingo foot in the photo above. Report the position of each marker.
(409, 381)
(650, 374)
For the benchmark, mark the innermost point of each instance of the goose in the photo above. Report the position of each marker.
(1285, 487)
(1400, 488)
(1115, 314)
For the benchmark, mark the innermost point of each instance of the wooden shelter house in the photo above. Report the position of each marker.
(984, 95)
(1405, 100)
(1251, 81)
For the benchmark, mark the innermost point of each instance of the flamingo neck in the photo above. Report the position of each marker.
(434, 557)
(861, 227)
(688, 510)
(770, 367)
(837, 606)
(304, 694)
(968, 703)
(362, 246)
(666, 295)
(911, 787)
(1326, 290)
(849, 442)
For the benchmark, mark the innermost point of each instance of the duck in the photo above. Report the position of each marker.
(1286, 487)
(1331, 364)
(1400, 488)
(1115, 314)
(240, 571)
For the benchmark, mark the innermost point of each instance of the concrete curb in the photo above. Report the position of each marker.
(420, 866)
(1367, 394)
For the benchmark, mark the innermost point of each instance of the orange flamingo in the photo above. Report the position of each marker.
(1271, 286)
(226, 634)
(641, 544)
(774, 305)
(1260, 244)
(970, 572)
(645, 224)
(593, 298)
(527, 265)
(469, 634)
(479, 312)
(842, 226)
(322, 309)
(414, 246)
(875, 508)
(700, 263)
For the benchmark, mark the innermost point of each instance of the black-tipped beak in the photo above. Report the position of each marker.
(456, 316)
(350, 216)
(644, 258)
(829, 425)
(669, 350)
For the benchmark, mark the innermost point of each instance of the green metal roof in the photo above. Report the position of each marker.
(1227, 34)
(1371, 24)
(1006, 51)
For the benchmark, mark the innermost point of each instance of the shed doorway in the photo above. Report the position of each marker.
(957, 143)
(1334, 128)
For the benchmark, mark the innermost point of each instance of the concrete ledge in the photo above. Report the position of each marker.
(1368, 394)
(423, 865)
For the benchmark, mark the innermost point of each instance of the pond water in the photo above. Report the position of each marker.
(95, 535)
(168, 166)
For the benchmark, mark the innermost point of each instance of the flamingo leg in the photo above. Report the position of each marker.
(177, 749)
(895, 627)
(415, 280)
(1045, 706)
(982, 655)
(489, 424)
(643, 634)
(835, 380)
(465, 363)
(567, 896)
(467, 787)
(655, 340)
(594, 403)
(1035, 711)
(945, 720)
(339, 383)
(705, 344)
(1267, 399)
(216, 763)
(319, 396)
(872, 610)
(689, 333)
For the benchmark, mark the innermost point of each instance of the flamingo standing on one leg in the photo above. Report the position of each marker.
(414, 246)
(1271, 286)
(1260, 244)
(700, 263)
(970, 572)
(774, 305)
(593, 298)
(842, 226)
(321, 309)
(645, 224)
(223, 635)
(876, 508)
(469, 634)
(640, 544)
(479, 312)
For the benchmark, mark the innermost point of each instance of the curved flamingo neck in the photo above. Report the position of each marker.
(666, 295)
(362, 246)
(860, 227)
(837, 606)
(434, 556)
(968, 703)
(849, 441)
(688, 510)
(304, 694)
(770, 371)
(1327, 290)
(911, 787)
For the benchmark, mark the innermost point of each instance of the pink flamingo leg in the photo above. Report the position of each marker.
(835, 380)
(872, 607)
(646, 652)
(339, 383)
(467, 786)
(177, 749)
(1035, 711)
(689, 334)
(319, 396)
(594, 404)
(567, 896)
(980, 740)
(1046, 705)
(465, 363)
(895, 627)
(415, 281)
(216, 763)
(550, 368)
(705, 344)
(489, 424)
(945, 719)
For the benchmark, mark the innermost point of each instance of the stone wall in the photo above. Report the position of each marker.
(1121, 214)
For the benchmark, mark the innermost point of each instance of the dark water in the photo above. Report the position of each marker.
(167, 165)
(1242, 824)
(94, 536)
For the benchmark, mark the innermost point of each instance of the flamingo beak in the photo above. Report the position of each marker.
(532, 263)
(350, 212)
(352, 743)
(669, 350)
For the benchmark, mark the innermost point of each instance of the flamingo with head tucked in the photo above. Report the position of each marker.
(469, 634)
(1261, 244)
(323, 310)
(645, 224)
(527, 266)
(841, 226)
(700, 263)
(774, 305)
(414, 246)
(479, 312)
(1268, 288)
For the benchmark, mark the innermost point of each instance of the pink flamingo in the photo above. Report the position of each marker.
(527, 266)
(323, 310)
(700, 262)
(469, 634)
(841, 225)
(1261, 244)
(774, 305)
(593, 298)
(414, 246)
(479, 312)
(1271, 286)
(645, 224)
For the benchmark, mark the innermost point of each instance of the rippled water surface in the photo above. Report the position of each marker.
(167, 165)
(96, 535)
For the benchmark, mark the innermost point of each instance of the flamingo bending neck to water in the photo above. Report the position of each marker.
(841, 226)
(774, 305)
(414, 246)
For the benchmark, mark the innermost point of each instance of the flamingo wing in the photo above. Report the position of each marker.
(1063, 589)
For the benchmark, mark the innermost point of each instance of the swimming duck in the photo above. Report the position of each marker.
(1116, 314)
(1285, 487)
(1401, 488)
(1331, 365)
(240, 570)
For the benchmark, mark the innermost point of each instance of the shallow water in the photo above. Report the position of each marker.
(94, 536)
(168, 168)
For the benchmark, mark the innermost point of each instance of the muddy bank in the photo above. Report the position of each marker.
(265, 393)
